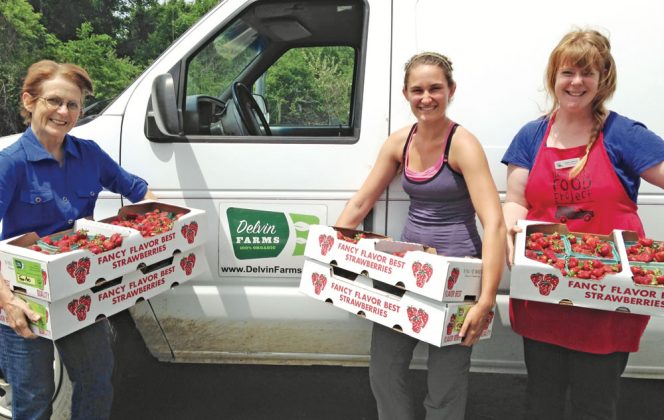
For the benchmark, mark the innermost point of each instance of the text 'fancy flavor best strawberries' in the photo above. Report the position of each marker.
(92, 252)
(434, 322)
(616, 272)
(413, 267)
(65, 316)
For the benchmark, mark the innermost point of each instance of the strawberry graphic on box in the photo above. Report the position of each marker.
(325, 242)
(452, 279)
(80, 307)
(86, 301)
(187, 263)
(44, 277)
(417, 317)
(81, 312)
(189, 231)
(71, 306)
(422, 273)
(544, 282)
(319, 281)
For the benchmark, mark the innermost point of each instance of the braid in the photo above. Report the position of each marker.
(598, 117)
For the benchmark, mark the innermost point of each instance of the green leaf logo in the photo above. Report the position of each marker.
(257, 233)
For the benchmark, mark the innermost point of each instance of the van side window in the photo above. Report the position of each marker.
(278, 76)
(310, 87)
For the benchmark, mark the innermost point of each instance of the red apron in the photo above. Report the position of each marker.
(594, 202)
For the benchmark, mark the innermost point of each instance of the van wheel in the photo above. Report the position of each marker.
(61, 398)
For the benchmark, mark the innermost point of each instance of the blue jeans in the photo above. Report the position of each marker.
(28, 367)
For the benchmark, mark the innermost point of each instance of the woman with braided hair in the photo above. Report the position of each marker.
(445, 173)
(580, 164)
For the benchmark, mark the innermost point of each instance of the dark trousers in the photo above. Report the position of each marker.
(593, 382)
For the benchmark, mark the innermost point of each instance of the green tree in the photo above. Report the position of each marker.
(23, 39)
(96, 53)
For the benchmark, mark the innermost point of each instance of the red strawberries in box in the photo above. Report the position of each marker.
(619, 271)
(58, 265)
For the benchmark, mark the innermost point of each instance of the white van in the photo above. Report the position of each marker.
(200, 126)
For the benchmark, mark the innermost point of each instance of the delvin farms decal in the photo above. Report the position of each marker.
(261, 239)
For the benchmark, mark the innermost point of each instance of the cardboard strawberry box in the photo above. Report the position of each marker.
(589, 280)
(53, 276)
(434, 322)
(65, 316)
(413, 267)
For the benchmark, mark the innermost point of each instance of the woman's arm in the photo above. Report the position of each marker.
(516, 206)
(467, 156)
(382, 173)
(655, 175)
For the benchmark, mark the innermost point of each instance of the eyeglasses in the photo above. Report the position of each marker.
(54, 102)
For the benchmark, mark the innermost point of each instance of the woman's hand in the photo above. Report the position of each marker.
(17, 313)
(475, 322)
(511, 235)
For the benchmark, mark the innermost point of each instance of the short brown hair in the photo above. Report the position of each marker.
(44, 70)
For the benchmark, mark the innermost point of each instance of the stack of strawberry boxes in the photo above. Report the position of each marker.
(341, 265)
(99, 268)
(616, 272)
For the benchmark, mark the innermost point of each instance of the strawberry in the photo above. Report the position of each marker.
(44, 277)
(190, 236)
(319, 281)
(536, 278)
(428, 270)
(85, 263)
(192, 259)
(417, 266)
(183, 262)
(450, 328)
(642, 279)
(81, 312)
(71, 268)
(545, 288)
(583, 274)
(604, 250)
(71, 306)
(86, 301)
(646, 241)
(80, 274)
(550, 278)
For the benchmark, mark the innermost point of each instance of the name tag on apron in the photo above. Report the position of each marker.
(567, 163)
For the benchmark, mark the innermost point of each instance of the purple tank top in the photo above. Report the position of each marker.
(441, 214)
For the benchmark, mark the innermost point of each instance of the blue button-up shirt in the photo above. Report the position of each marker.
(37, 194)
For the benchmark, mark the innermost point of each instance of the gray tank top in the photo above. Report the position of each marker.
(441, 214)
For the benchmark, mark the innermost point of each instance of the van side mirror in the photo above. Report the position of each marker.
(163, 110)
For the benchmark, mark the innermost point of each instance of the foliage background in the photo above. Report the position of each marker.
(114, 40)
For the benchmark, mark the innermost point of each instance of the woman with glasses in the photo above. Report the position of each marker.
(48, 180)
